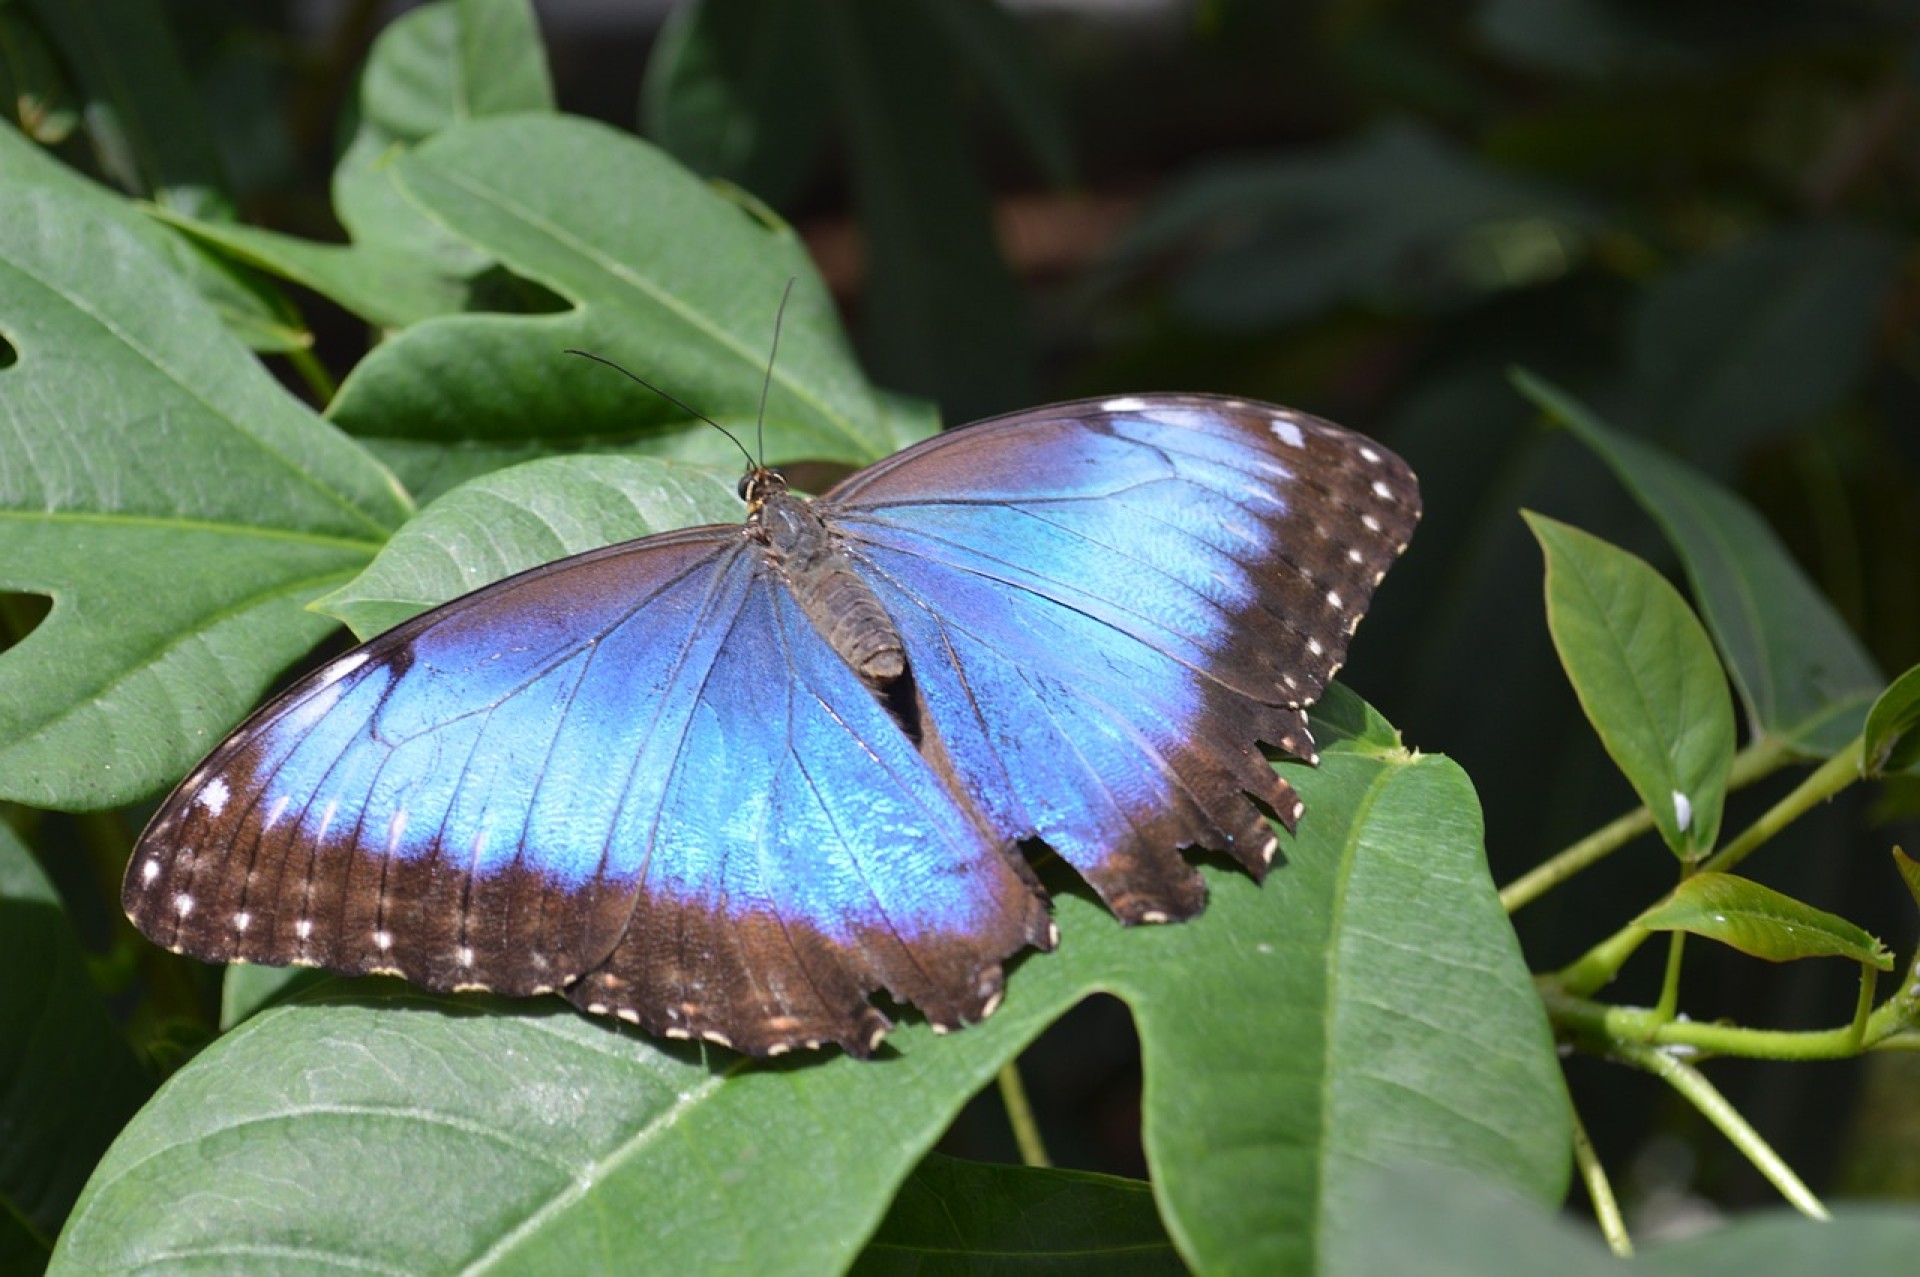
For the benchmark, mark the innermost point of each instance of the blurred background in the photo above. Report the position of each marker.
(1696, 216)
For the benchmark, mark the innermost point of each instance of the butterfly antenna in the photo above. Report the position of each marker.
(683, 407)
(766, 383)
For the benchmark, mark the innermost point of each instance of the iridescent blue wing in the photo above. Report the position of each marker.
(638, 776)
(1106, 604)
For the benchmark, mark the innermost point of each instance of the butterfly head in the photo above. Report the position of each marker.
(757, 484)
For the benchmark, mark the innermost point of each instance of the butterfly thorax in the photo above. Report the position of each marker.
(805, 555)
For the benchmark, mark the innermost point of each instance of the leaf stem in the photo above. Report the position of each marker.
(1669, 1002)
(1026, 1132)
(1598, 965)
(1702, 1094)
(1606, 1029)
(1756, 761)
(1826, 780)
(1606, 1208)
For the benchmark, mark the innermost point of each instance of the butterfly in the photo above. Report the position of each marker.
(730, 782)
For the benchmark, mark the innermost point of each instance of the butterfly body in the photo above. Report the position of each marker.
(729, 781)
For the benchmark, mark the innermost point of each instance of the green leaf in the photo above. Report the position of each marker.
(141, 109)
(380, 283)
(737, 89)
(942, 316)
(1410, 1218)
(1647, 677)
(524, 516)
(247, 990)
(261, 318)
(967, 1217)
(1805, 679)
(1289, 1039)
(67, 1078)
(1398, 217)
(441, 65)
(1760, 921)
(1892, 744)
(1417, 1220)
(1860, 1238)
(666, 277)
(1773, 333)
(168, 496)
(1909, 872)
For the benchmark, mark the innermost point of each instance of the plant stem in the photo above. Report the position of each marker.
(1606, 1208)
(1749, 765)
(1670, 984)
(1026, 1132)
(314, 373)
(1598, 965)
(1828, 779)
(1692, 1084)
(1606, 1029)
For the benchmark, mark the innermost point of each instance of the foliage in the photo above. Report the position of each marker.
(1349, 1070)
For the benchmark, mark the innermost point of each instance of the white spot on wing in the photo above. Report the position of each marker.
(276, 811)
(992, 1005)
(383, 940)
(343, 667)
(1334, 600)
(1372, 524)
(1682, 810)
(1288, 433)
(214, 796)
(242, 920)
(183, 904)
(1153, 915)
(304, 928)
(396, 829)
(150, 871)
(1369, 454)
(466, 955)
(1382, 491)
(1127, 404)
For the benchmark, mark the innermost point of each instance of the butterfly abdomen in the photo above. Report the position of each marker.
(840, 604)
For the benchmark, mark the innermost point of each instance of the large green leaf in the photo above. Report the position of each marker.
(440, 65)
(955, 1217)
(177, 506)
(1368, 1001)
(1647, 677)
(256, 315)
(666, 277)
(1438, 1224)
(1805, 679)
(67, 1079)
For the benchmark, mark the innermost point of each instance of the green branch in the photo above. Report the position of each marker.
(1692, 1084)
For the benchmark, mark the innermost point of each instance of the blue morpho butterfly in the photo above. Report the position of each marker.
(728, 782)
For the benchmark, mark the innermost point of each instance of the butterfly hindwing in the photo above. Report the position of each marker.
(1106, 603)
